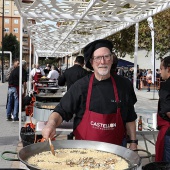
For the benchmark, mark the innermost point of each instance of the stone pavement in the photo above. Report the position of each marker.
(9, 131)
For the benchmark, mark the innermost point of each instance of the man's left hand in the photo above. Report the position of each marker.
(133, 146)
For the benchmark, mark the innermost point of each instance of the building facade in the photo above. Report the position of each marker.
(11, 19)
(12, 25)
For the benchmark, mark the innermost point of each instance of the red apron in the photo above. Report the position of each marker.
(164, 125)
(101, 127)
(36, 78)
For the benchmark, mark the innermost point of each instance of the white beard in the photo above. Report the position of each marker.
(103, 71)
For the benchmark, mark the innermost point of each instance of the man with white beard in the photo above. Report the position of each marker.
(103, 104)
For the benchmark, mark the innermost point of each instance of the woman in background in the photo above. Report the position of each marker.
(149, 79)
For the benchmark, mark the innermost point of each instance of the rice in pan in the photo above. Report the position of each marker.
(78, 159)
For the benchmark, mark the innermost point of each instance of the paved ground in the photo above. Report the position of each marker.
(9, 131)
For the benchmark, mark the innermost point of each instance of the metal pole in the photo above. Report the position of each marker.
(151, 26)
(2, 58)
(153, 53)
(20, 77)
(10, 57)
(135, 55)
(67, 61)
(29, 87)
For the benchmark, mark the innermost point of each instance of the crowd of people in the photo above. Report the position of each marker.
(50, 72)
(101, 100)
(143, 78)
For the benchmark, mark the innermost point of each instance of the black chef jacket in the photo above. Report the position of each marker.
(164, 100)
(71, 75)
(102, 99)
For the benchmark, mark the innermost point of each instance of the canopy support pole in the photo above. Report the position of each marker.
(29, 88)
(20, 77)
(151, 26)
(135, 55)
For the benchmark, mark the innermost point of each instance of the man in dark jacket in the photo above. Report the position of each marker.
(13, 91)
(74, 73)
(15, 64)
(163, 117)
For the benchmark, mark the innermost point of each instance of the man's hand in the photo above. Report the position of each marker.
(168, 114)
(133, 146)
(49, 131)
(54, 121)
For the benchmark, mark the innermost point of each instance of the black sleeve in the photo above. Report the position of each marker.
(24, 75)
(131, 114)
(61, 80)
(164, 105)
(70, 103)
(131, 99)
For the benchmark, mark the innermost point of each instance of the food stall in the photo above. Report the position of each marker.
(46, 100)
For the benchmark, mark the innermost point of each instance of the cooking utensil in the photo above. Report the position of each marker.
(132, 157)
(48, 89)
(49, 97)
(51, 147)
(157, 166)
(30, 150)
(48, 106)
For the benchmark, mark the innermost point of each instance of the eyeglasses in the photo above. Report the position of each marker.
(106, 57)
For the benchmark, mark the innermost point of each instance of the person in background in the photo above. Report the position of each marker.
(47, 69)
(158, 79)
(144, 72)
(102, 104)
(149, 79)
(35, 74)
(53, 74)
(13, 91)
(58, 70)
(129, 74)
(163, 115)
(74, 73)
(33, 66)
(121, 71)
(158, 73)
(15, 64)
(139, 75)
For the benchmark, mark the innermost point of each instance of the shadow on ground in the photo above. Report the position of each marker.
(9, 140)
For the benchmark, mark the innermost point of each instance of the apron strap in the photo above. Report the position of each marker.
(89, 92)
(116, 94)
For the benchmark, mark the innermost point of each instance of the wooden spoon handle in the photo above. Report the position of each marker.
(49, 141)
(51, 147)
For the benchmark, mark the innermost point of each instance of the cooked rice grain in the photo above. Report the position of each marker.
(78, 159)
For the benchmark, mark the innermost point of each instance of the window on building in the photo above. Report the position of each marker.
(6, 11)
(15, 12)
(6, 29)
(24, 30)
(15, 21)
(25, 39)
(6, 2)
(16, 30)
(6, 21)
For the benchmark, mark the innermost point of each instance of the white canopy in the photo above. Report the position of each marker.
(58, 26)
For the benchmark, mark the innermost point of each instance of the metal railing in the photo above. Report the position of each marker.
(144, 83)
